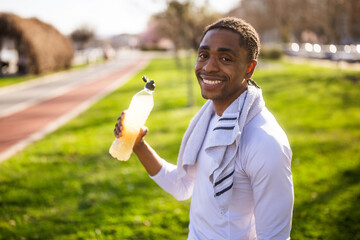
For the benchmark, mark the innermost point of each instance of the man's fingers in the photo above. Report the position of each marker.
(117, 131)
(143, 131)
(118, 126)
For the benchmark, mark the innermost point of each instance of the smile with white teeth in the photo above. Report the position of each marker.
(211, 82)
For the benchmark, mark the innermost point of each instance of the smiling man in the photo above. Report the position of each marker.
(223, 67)
(234, 160)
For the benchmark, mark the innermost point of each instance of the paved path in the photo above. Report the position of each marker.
(30, 110)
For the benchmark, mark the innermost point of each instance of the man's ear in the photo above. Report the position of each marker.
(251, 69)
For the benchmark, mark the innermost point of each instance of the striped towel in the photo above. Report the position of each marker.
(224, 141)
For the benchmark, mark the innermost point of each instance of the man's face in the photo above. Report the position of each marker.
(222, 67)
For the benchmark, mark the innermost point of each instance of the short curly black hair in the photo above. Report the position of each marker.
(249, 38)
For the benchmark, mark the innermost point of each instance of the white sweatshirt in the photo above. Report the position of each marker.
(262, 200)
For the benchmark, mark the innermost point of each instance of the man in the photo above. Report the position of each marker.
(234, 160)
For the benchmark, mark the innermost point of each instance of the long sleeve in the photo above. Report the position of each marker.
(269, 170)
(167, 179)
(266, 160)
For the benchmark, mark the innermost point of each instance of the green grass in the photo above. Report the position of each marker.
(319, 109)
(66, 186)
(6, 81)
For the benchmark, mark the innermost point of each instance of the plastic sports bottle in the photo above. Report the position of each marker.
(136, 115)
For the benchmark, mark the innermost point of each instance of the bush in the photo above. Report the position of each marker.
(271, 53)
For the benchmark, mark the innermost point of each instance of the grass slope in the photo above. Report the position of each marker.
(66, 186)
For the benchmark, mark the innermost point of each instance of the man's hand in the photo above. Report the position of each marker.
(147, 156)
(119, 126)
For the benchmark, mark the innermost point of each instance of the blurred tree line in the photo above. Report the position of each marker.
(314, 21)
(277, 21)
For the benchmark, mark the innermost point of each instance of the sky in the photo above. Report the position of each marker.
(106, 17)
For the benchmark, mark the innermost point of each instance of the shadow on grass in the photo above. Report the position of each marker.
(336, 208)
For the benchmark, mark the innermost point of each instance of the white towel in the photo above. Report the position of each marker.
(224, 141)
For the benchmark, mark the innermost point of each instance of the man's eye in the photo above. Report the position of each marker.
(202, 55)
(225, 59)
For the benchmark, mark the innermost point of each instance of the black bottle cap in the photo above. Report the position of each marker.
(150, 84)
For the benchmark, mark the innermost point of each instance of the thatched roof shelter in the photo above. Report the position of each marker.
(40, 46)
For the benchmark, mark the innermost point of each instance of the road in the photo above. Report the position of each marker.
(30, 110)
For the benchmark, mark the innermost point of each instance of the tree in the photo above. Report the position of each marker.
(183, 23)
(82, 36)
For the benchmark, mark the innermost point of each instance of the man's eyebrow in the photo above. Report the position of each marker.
(227, 50)
(204, 47)
(222, 49)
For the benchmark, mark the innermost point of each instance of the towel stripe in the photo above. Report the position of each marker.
(227, 119)
(224, 190)
(224, 128)
(224, 178)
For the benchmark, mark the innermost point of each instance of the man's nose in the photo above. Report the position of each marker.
(211, 65)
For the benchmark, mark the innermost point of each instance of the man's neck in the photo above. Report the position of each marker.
(221, 105)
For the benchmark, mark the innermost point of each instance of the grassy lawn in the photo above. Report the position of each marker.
(319, 109)
(67, 186)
